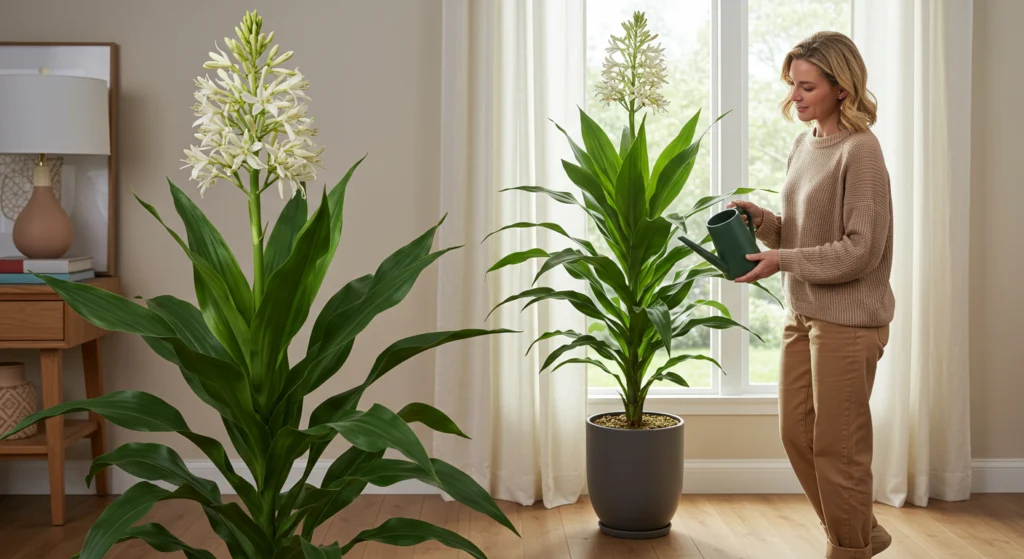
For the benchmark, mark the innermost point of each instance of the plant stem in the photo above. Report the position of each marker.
(255, 220)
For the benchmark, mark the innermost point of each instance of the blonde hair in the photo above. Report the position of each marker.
(839, 61)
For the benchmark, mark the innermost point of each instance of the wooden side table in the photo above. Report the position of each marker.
(35, 317)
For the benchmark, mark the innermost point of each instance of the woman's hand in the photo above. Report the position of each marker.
(768, 265)
(753, 209)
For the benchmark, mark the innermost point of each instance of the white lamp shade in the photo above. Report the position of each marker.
(59, 115)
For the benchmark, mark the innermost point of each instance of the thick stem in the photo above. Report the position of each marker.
(255, 220)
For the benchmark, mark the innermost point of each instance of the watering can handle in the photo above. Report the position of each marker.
(750, 221)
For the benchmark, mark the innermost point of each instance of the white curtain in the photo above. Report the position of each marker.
(509, 67)
(918, 55)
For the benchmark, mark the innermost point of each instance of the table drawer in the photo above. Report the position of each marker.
(31, 320)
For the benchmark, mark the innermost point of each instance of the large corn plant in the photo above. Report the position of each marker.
(636, 296)
(232, 348)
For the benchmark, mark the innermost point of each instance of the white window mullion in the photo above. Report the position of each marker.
(729, 170)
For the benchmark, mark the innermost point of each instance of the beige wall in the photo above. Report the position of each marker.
(997, 300)
(375, 68)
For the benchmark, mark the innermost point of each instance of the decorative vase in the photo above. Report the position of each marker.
(18, 399)
(43, 229)
(635, 477)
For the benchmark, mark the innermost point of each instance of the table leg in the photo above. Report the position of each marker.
(50, 367)
(92, 365)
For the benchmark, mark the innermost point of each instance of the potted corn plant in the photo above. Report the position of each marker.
(637, 294)
(232, 349)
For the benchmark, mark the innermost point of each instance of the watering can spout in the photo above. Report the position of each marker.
(711, 258)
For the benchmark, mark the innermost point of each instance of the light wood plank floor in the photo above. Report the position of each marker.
(706, 526)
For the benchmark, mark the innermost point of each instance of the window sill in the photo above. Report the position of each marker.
(705, 404)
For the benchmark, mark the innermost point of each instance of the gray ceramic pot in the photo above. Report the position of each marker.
(635, 477)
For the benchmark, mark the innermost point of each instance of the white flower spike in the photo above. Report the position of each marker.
(634, 70)
(246, 123)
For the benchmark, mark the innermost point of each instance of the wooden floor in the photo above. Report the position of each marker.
(721, 527)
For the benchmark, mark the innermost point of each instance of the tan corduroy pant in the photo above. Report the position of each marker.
(825, 381)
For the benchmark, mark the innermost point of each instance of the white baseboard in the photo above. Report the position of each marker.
(30, 477)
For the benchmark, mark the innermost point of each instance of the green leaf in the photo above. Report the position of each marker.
(154, 462)
(556, 195)
(215, 301)
(578, 300)
(405, 532)
(682, 359)
(311, 551)
(390, 284)
(205, 241)
(293, 217)
(162, 540)
(550, 227)
(596, 327)
(432, 417)
(713, 322)
(587, 162)
(548, 335)
(662, 320)
(677, 145)
(188, 324)
(108, 310)
(708, 201)
(449, 479)
(566, 256)
(766, 290)
(214, 450)
(138, 411)
(533, 292)
(407, 348)
(344, 490)
(674, 174)
(630, 188)
(285, 307)
(672, 377)
(599, 346)
(600, 147)
(648, 241)
(116, 520)
(625, 140)
(336, 204)
(518, 258)
(598, 197)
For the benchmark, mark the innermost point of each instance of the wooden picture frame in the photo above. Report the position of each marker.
(96, 60)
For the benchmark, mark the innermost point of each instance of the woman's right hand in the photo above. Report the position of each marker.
(753, 209)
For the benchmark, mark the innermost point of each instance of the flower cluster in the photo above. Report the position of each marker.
(634, 79)
(252, 117)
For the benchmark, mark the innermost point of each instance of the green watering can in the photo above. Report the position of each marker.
(733, 240)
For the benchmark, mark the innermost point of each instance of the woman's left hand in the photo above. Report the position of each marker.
(768, 265)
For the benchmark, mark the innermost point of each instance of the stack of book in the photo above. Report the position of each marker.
(17, 269)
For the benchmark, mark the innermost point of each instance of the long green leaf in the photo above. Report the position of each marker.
(405, 532)
(649, 239)
(518, 258)
(154, 462)
(432, 417)
(285, 306)
(662, 320)
(336, 203)
(678, 144)
(713, 322)
(599, 346)
(556, 195)
(138, 411)
(108, 310)
(708, 201)
(293, 217)
(587, 162)
(449, 479)
(550, 227)
(407, 348)
(205, 241)
(600, 147)
(188, 324)
(533, 292)
(215, 302)
(161, 539)
(672, 377)
(630, 188)
(675, 173)
(555, 333)
(311, 551)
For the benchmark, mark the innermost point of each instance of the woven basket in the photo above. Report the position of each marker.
(18, 400)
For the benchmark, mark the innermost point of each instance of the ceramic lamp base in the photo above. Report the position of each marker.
(43, 229)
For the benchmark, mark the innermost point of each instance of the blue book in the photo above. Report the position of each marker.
(29, 278)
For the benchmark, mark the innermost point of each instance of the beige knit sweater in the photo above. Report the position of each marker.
(834, 234)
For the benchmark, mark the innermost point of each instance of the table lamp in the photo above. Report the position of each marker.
(44, 114)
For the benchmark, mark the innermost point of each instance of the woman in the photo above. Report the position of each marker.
(833, 242)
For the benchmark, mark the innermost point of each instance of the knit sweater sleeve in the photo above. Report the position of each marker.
(770, 231)
(866, 215)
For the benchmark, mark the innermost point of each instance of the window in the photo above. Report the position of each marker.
(722, 55)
